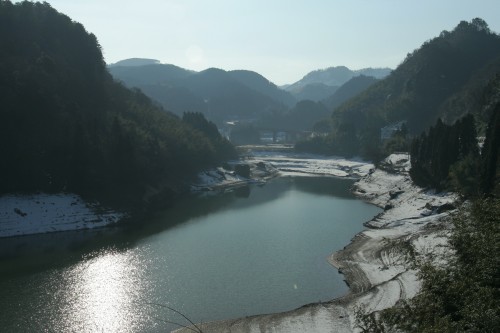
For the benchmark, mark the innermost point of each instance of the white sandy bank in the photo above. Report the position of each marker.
(266, 164)
(41, 213)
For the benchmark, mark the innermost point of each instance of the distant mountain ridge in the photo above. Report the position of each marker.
(178, 91)
(240, 94)
(329, 80)
(261, 84)
(135, 62)
(220, 95)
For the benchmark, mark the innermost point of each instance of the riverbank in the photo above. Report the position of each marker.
(376, 264)
(43, 213)
(266, 162)
(39, 213)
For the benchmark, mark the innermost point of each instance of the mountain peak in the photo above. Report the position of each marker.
(133, 62)
(330, 79)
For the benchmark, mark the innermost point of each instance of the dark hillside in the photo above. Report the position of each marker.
(151, 74)
(316, 91)
(218, 94)
(348, 90)
(228, 98)
(478, 96)
(259, 83)
(65, 125)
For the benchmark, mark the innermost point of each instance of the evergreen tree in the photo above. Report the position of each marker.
(447, 156)
(490, 166)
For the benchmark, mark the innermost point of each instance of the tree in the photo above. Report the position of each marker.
(198, 121)
(480, 25)
(490, 164)
(447, 156)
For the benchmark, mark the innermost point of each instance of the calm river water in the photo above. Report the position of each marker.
(256, 250)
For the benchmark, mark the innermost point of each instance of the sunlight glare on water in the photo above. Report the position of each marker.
(103, 293)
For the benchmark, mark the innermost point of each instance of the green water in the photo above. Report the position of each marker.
(256, 250)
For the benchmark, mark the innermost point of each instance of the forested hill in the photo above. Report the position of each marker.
(443, 78)
(65, 125)
(220, 95)
(348, 90)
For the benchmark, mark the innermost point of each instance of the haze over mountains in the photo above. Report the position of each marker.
(237, 94)
(320, 84)
(218, 94)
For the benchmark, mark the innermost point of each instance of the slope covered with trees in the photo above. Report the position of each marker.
(449, 156)
(348, 90)
(447, 77)
(419, 89)
(461, 295)
(259, 83)
(66, 125)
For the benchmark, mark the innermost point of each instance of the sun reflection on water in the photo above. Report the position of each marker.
(103, 292)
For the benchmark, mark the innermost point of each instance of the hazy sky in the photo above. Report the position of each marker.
(281, 39)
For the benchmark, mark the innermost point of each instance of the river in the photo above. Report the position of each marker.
(255, 250)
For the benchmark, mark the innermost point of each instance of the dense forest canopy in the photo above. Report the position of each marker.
(447, 154)
(66, 125)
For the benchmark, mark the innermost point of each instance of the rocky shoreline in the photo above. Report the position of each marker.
(376, 264)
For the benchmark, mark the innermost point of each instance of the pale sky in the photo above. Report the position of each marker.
(280, 39)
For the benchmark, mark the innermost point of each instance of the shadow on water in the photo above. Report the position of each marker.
(27, 254)
(329, 186)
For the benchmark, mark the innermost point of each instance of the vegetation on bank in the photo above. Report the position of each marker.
(66, 125)
(464, 294)
(449, 157)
